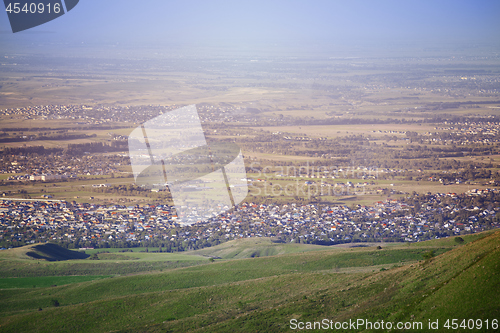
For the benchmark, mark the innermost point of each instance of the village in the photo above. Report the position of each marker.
(411, 219)
(93, 169)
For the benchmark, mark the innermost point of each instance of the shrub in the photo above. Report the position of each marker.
(428, 255)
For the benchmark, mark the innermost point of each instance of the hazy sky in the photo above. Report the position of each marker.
(214, 22)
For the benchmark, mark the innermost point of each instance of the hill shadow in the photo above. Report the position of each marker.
(53, 252)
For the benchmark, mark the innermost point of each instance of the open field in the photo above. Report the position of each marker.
(493, 158)
(129, 89)
(16, 128)
(335, 131)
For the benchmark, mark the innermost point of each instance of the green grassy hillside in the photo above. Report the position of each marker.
(254, 247)
(43, 251)
(265, 294)
(18, 263)
(53, 252)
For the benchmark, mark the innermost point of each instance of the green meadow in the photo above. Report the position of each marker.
(46, 281)
(397, 282)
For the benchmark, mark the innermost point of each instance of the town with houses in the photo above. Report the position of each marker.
(412, 219)
(125, 223)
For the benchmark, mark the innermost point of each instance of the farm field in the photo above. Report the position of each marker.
(334, 131)
(404, 130)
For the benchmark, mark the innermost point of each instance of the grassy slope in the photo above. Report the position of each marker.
(45, 281)
(18, 262)
(263, 294)
(43, 251)
(253, 247)
(53, 252)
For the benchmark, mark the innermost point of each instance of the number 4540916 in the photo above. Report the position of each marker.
(33, 8)
(471, 324)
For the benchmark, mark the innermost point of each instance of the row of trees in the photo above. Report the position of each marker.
(72, 149)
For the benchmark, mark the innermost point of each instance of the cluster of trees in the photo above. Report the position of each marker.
(59, 137)
(469, 173)
(424, 119)
(38, 150)
(177, 245)
(129, 190)
(72, 149)
(95, 147)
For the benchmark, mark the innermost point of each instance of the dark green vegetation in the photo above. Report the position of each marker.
(264, 294)
(112, 256)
